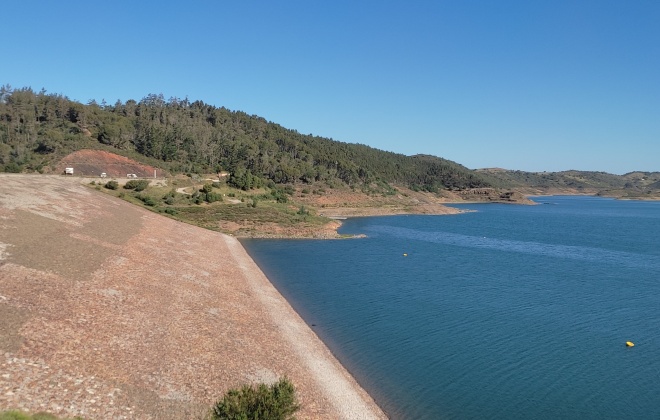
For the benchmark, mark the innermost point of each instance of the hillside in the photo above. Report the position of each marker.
(177, 136)
(308, 211)
(38, 129)
(95, 162)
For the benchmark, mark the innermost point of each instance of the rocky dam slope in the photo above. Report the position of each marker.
(108, 311)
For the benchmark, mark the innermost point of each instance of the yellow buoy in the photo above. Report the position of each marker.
(630, 344)
(405, 255)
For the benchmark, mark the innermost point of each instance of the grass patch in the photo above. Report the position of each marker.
(208, 216)
(208, 206)
(21, 415)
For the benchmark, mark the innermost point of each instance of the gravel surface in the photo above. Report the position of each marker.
(109, 311)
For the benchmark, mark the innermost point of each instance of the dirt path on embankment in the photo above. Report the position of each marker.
(110, 311)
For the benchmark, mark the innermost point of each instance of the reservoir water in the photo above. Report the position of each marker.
(506, 312)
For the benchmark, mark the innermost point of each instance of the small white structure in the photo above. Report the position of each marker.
(68, 171)
(103, 175)
(131, 176)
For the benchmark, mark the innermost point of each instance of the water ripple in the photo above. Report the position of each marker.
(582, 253)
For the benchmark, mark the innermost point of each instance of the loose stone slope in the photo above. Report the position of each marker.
(110, 311)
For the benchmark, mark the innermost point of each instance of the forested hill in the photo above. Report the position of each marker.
(38, 129)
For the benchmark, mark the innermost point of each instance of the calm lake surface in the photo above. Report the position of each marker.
(507, 312)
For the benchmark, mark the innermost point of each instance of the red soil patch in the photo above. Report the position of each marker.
(96, 162)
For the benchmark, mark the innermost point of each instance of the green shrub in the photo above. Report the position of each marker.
(112, 185)
(279, 195)
(149, 201)
(19, 415)
(207, 188)
(142, 185)
(137, 184)
(14, 415)
(197, 197)
(13, 167)
(274, 402)
(212, 197)
(170, 197)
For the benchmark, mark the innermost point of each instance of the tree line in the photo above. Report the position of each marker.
(39, 128)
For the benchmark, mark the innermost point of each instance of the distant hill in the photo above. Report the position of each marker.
(39, 129)
(630, 185)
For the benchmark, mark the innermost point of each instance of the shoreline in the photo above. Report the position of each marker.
(112, 311)
(347, 395)
(338, 215)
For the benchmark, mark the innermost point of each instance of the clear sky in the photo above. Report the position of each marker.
(535, 85)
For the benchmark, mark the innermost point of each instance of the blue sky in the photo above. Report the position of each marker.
(530, 85)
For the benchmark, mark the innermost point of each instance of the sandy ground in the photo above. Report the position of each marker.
(109, 311)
